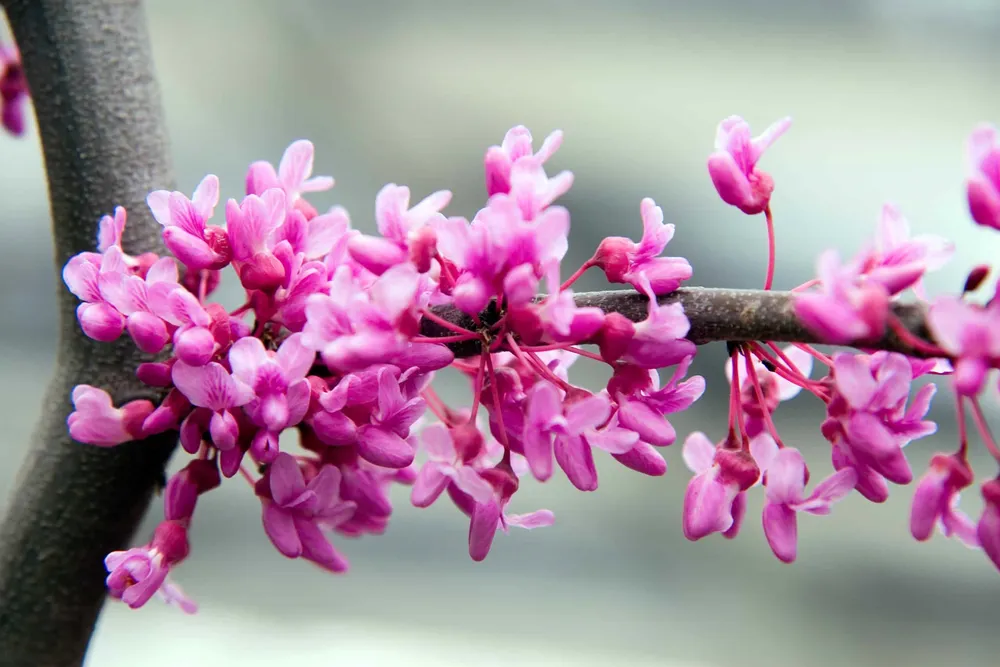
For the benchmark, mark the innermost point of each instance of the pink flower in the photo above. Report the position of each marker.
(988, 528)
(134, 576)
(212, 387)
(82, 274)
(658, 341)
(488, 517)
(971, 333)
(13, 90)
(293, 511)
(560, 318)
(194, 341)
(450, 452)
(733, 165)
(897, 257)
(185, 232)
(402, 230)
(569, 426)
(785, 482)
(721, 475)
(983, 184)
(252, 224)
(846, 309)
(110, 230)
(314, 237)
(293, 177)
(96, 421)
(142, 301)
(640, 264)
(868, 421)
(935, 501)
(183, 488)
(516, 146)
(383, 441)
(643, 405)
(533, 190)
(281, 392)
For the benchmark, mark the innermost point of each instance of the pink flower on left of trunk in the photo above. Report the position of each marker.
(96, 421)
(639, 264)
(733, 165)
(134, 576)
(785, 483)
(294, 511)
(98, 318)
(13, 90)
(983, 184)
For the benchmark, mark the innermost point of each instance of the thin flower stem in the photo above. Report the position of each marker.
(531, 360)
(769, 278)
(913, 341)
(477, 388)
(810, 350)
(806, 285)
(755, 381)
(567, 347)
(579, 272)
(496, 406)
(963, 432)
(457, 338)
(793, 376)
(203, 286)
(984, 429)
(247, 476)
(737, 405)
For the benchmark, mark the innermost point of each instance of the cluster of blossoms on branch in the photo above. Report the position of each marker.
(341, 333)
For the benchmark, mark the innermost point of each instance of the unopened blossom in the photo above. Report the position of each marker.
(639, 264)
(293, 176)
(721, 475)
(846, 308)
(193, 339)
(13, 90)
(569, 427)
(212, 387)
(137, 574)
(185, 230)
(935, 501)
(785, 486)
(451, 451)
(295, 511)
(183, 488)
(983, 184)
(969, 332)
(988, 528)
(406, 233)
(96, 421)
(516, 146)
(733, 165)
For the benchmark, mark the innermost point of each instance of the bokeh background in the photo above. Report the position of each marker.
(883, 93)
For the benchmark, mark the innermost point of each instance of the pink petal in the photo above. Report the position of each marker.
(698, 452)
(280, 528)
(612, 440)
(643, 458)
(781, 531)
(383, 447)
(438, 442)
(285, 478)
(483, 528)
(294, 357)
(575, 458)
(532, 520)
(831, 490)
(786, 477)
(472, 484)
(430, 482)
(246, 356)
(707, 506)
(316, 548)
(210, 386)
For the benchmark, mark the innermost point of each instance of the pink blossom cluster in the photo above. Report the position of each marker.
(870, 414)
(331, 342)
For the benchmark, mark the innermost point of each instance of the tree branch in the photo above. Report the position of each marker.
(90, 72)
(715, 314)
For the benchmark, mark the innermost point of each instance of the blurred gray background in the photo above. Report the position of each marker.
(883, 93)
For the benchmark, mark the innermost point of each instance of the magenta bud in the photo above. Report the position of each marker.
(170, 539)
(148, 331)
(224, 430)
(169, 413)
(263, 272)
(100, 321)
(194, 346)
(155, 374)
(976, 278)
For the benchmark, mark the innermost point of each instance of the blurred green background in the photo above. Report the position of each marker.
(883, 94)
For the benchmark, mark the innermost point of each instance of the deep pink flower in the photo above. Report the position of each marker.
(561, 320)
(294, 511)
(569, 427)
(935, 501)
(847, 308)
(785, 483)
(658, 341)
(194, 341)
(516, 146)
(988, 528)
(450, 452)
(281, 392)
(401, 228)
(142, 301)
(134, 576)
(185, 232)
(252, 224)
(13, 90)
(183, 488)
(896, 256)
(96, 421)
(971, 333)
(533, 190)
(212, 387)
(983, 184)
(639, 264)
(733, 165)
(643, 404)
(721, 475)
(314, 237)
(384, 440)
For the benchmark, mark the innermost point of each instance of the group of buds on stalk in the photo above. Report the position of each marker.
(332, 341)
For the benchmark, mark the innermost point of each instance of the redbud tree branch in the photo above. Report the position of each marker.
(735, 315)
(90, 73)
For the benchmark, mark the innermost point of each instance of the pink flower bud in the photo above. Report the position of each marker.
(154, 374)
(100, 321)
(194, 346)
(148, 331)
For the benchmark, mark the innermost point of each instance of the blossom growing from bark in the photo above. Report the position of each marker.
(185, 230)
